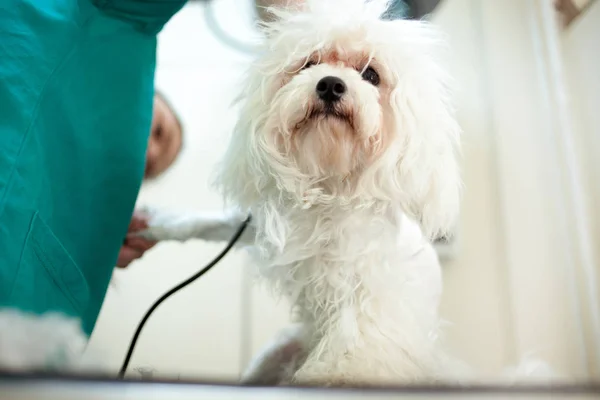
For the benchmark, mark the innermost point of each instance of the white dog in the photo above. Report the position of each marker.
(345, 155)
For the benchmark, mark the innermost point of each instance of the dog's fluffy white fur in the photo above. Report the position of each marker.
(50, 342)
(346, 196)
(390, 147)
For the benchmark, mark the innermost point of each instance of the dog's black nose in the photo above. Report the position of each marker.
(331, 89)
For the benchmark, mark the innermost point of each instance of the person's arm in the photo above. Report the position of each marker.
(68, 185)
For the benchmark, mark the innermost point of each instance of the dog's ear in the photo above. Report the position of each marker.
(242, 174)
(428, 174)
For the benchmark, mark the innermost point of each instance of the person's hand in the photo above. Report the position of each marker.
(134, 247)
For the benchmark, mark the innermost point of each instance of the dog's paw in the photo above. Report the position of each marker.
(174, 230)
(531, 370)
(302, 378)
(182, 226)
(162, 224)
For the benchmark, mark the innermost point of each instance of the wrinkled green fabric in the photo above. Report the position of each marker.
(76, 90)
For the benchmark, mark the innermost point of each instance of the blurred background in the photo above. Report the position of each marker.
(522, 273)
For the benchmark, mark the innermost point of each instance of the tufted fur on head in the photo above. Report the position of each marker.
(382, 146)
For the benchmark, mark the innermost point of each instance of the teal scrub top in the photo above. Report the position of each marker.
(76, 94)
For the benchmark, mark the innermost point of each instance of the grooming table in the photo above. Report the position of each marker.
(29, 387)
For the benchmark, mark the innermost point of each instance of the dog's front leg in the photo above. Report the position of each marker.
(279, 361)
(332, 362)
(343, 358)
(183, 226)
(327, 374)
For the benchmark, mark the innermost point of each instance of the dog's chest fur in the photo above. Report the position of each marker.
(365, 286)
(333, 262)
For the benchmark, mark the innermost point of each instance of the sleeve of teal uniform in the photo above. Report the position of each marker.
(76, 88)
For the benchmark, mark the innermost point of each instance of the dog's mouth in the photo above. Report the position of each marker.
(328, 112)
(323, 112)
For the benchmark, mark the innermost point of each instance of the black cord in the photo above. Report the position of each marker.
(183, 284)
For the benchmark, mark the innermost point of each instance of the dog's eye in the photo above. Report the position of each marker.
(371, 76)
(308, 64)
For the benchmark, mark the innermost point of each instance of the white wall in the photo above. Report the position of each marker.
(214, 326)
(549, 260)
(580, 44)
(581, 56)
